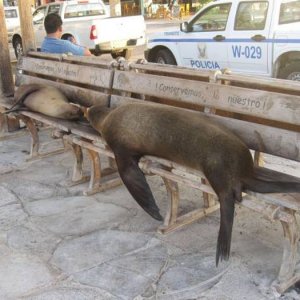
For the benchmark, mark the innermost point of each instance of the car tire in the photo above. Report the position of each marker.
(18, 47)
(291, 71)
(165, 57)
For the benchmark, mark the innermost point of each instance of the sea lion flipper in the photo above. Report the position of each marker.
(227, 201)
(135, 181)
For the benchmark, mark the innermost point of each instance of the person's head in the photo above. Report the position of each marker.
(53, 23)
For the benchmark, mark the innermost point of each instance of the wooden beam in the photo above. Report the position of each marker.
(6, 77)
(28, 38)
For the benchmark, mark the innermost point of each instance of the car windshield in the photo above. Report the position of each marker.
(11, 13)
(84, 10)
(289, 12)
(212, 19)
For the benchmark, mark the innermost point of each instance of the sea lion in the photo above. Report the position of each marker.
(188, 138)
(45, 99)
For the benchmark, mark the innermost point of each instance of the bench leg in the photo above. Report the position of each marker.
(77, 176)
(172, 220)
(173, 195)
(258, 159)
(98, 182)
(288, 275)
(209, 200)
(35, 143)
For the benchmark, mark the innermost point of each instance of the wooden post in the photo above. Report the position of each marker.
(115, 8)
(6, 77)
(28, 38)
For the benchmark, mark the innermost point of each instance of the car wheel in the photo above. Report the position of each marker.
(291, 72)
(18, 47)
(165, 57)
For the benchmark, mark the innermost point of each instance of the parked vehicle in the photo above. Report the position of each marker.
(12, 19)
(89, 23)
(250, 37)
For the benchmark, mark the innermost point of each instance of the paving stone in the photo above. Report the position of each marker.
(190, 275)
(147, 261)
(58, 205)
(124, 283)
(32, 240)
(19, 274)
(130, 274)
(96, 248)
(55, 172)
(11, 161)
(69, 293)
(79, 221)
(11, 216)
(6, 196)
(29, 190)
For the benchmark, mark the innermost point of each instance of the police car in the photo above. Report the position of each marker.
(250, 37)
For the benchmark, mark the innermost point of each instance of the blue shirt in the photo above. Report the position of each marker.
(54, 45)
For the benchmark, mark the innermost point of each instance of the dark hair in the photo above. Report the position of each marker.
(52, 23)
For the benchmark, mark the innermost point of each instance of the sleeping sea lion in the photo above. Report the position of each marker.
(188, 138)
(45, 99)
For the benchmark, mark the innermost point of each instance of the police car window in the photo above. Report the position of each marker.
(54, 9)
(251, 15)
(289, 12)
(212, 19)
(39, 15)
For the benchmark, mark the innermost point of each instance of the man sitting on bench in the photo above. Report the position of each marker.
(53, 42)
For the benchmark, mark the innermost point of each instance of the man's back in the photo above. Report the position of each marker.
(53, 42)
(54, 45)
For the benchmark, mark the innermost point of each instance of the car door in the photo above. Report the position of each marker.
(249, 48)
(203, 44)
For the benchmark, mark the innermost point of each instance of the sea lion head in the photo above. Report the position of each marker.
(72, 112)
(96, 115)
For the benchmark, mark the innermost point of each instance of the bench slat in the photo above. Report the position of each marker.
(263, 138)
(258, 103)
(289, 200)
(88, 60)
(82, 96)
(100, 78)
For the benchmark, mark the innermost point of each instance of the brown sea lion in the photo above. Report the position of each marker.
(45, 99)
(188, 138)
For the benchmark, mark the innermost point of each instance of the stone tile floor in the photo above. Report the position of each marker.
(57, 244)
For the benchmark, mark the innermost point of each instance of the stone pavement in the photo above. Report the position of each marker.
(57, 244)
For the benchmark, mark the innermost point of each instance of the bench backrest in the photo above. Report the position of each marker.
(85, 80)
(264, 113)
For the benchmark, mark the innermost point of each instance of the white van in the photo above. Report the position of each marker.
(12, 19)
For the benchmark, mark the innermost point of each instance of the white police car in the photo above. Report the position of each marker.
(251, 37)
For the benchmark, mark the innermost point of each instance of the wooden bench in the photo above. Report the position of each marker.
(264, 113)
(85, 81)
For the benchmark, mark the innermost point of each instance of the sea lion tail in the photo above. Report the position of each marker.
(227, 201)
(266, 181)
(135, 181)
